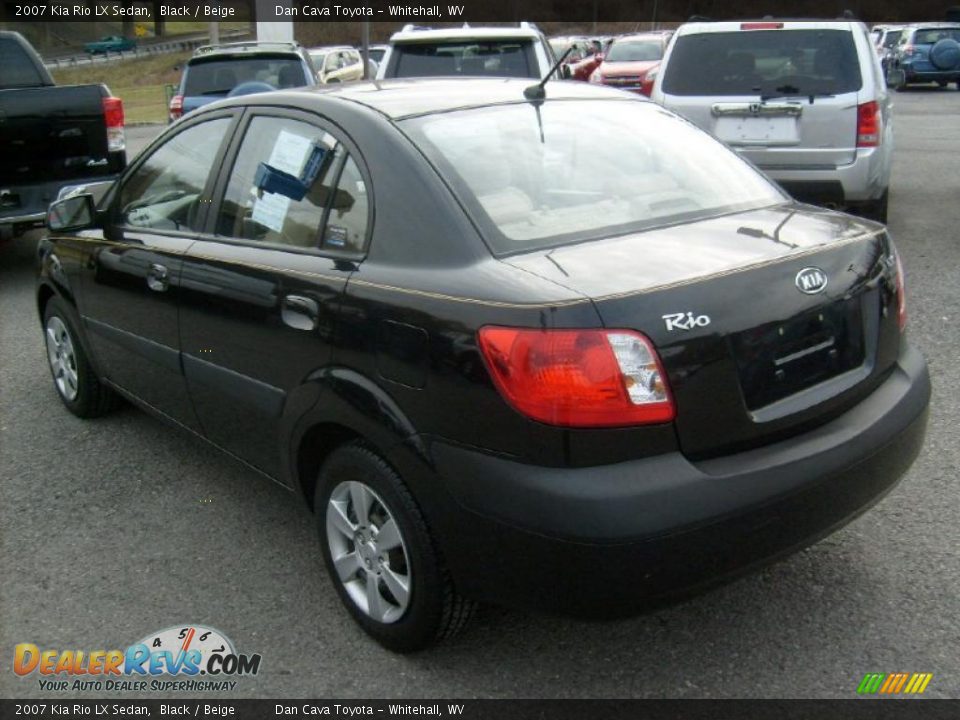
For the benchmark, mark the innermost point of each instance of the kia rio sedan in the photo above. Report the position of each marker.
(502, 359)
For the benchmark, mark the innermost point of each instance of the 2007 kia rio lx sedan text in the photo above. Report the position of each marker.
(502, 358)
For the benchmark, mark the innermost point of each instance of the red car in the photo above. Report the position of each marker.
(630, 62)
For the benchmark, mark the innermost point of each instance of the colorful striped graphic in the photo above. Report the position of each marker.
(894, 683)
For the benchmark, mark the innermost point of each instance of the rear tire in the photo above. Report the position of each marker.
(381, 556)
(74, 379)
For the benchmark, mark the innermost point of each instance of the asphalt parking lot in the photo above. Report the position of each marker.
(114, 528)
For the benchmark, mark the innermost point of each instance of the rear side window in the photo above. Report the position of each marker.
(219, 77)
(892, 38)
(764, 62)
(502, 58)
(16, 67)
(262, 205)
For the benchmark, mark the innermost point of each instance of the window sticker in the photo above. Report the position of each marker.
(290, 153)
(336, 236)
(270, 210)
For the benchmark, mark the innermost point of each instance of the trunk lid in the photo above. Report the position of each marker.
(751, 357)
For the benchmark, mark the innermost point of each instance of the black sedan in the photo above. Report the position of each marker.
(568, 353)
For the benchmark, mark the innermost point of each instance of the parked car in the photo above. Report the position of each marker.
(885, 38)
(803, 100)
(240, 68)
(468, 51)
(109, 44)
(926, 53)
(51, 136)
(629, 60)
(338, 63)
(502, 359)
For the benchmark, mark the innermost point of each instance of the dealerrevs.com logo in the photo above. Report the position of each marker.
(184, 657)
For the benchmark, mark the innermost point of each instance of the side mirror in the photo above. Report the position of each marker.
(72, 213)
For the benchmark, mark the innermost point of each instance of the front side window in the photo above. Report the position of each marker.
(533, 178)
(763, 62)
(166, 191)
(281, 189)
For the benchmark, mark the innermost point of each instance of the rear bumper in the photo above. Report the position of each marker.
(614, 539)
(863, 180)
(31, 210)
(928, 73)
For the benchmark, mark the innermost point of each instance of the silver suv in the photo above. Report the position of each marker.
(468, 51)
(805, 101)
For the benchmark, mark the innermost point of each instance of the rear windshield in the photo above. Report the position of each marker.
(929, 36)
(534, 178)
(635, 50)
(16, 67)
(220, 76)
(499, 58)
(764, 62)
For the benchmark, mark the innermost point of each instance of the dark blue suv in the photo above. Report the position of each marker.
(926, 53)
(218, 71)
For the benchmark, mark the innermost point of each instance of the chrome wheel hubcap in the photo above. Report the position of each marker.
(368, 551)
(62, 358)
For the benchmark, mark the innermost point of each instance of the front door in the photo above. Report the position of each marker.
(132, 268)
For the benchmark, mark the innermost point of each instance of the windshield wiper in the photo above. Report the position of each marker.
(785, 91)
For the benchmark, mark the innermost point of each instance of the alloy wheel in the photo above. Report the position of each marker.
(63, 358)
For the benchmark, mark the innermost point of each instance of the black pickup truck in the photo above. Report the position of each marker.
(50, 136)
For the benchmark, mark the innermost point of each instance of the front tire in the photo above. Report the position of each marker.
(380, 554)
(76, 383)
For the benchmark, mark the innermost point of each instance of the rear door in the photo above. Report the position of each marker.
(784, 98)
(131, 283)
(262, 287)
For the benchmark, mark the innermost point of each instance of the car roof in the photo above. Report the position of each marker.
(428, 35)
(735, 26)
(330, 48)
(246, 48)
(403, 98)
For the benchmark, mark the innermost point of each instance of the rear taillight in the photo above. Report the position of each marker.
(901, 296)
(868, 124)
(761, 26)
(578, 378)
(113, 119)
(176, 107)
(646, 86)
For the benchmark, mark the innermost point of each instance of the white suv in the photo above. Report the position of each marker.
(805, 101)
(468, 51)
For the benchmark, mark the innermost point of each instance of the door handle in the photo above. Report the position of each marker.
(158, 278)
(300, 313)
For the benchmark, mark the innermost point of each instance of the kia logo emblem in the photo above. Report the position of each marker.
(811, 280)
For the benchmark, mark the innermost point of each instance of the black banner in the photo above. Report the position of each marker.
(437, 11)
(213, 709)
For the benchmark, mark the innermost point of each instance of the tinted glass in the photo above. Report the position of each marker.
(512, 58)
(376, 54)
(16, 68)
(537, 179)
(219, 77)
(250, 211)
(764, 62)
(635, 50)
(929, 36)
(166, 191)
(346, 227)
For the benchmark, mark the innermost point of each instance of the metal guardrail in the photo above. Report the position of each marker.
(159, 48)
